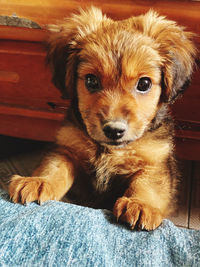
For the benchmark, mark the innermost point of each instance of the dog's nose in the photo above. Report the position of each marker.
(115, 129)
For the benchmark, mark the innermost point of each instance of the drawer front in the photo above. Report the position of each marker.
(25, 80)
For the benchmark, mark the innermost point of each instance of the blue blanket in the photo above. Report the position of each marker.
(61, 234)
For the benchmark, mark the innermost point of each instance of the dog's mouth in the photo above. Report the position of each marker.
(117, 143)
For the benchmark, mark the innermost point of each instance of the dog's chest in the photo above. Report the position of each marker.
(114, 167)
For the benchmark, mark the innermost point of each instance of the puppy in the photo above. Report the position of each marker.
(115, 149)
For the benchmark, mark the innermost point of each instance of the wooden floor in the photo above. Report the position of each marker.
(188, 214)
(22, 156)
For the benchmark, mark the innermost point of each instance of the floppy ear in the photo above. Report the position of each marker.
(60, 56)
(177, 51)
(64, 46)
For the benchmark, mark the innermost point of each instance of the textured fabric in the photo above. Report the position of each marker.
(61, 234)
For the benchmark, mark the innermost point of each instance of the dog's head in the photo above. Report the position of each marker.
(120, 72)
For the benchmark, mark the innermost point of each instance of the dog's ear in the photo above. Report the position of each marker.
(64, 45)
(176, 49)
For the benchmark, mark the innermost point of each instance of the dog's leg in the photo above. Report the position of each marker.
(50, 181)
(147, 200)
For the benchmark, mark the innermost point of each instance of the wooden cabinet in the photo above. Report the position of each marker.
(31, 107)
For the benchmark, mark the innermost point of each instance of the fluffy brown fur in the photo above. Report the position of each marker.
(115, 149)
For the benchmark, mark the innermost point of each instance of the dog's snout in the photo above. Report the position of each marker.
(115, 129)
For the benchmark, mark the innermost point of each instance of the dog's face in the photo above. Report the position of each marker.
(118, 85)
(121, 72)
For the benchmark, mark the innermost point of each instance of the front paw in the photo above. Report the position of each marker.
(137, 214)
(29, 189)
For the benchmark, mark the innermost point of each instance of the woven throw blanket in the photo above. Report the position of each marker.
(61, 234)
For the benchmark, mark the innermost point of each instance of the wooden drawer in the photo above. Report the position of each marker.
(24, 78)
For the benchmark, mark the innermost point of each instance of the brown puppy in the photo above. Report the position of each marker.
(115, 149)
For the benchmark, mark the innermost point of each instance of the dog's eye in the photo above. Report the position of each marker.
(144, 85)
(92, 83)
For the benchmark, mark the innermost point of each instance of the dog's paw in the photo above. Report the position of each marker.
(136, 214)
(29, 189)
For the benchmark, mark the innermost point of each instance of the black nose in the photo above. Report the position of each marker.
(114, 130)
